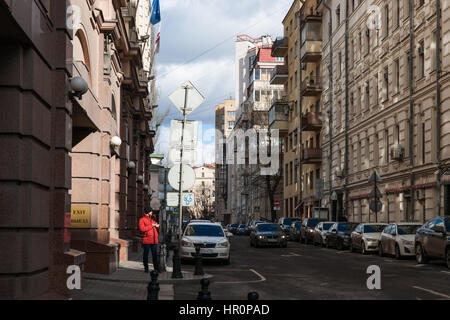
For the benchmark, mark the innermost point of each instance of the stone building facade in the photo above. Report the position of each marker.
(58, 158)
(386, 107)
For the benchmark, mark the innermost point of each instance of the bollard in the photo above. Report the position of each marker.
(204, 294)
(198, 262)
(153, 287)
(253, 295)
(162, 258)
(176, 272)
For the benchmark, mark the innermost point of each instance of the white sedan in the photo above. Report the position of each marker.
(398, 239)
(211, 238)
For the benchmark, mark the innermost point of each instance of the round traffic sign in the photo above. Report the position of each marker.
(188, 177)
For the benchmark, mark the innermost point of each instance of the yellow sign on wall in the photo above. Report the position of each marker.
(80, 217)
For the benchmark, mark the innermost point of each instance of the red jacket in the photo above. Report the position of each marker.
(150, 232)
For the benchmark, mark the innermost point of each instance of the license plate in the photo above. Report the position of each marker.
(206, 251)
(272, 240)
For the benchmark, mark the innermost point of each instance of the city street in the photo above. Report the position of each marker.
(307, 272)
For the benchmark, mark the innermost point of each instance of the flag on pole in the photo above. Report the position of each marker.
(157, 39)
(156, 15)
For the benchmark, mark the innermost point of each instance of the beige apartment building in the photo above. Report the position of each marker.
(284, 112)
(204, 190)
(386, 107)
(224, 123)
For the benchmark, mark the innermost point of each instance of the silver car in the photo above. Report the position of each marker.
(320, 232)
(365, 237)
(398, 239)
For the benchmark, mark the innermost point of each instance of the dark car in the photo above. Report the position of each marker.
(233, 228)
(268, 234)
(285, 224)
(307, 230)
(294, 231)
(241, 230)
(432, 240)
(338, 236)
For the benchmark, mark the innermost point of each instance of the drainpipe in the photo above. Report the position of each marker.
(411, 105)
(346, 156)
(438, 100)
(300, 131)
(330, 111)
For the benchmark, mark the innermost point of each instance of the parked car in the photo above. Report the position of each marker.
(253, 225)
(241, 230)
(247, 229)
(307, 230)
(320, 232)
(233, 228)
(294, 231)
(338, 235)
(398, 239)
(365, 237)
(432, 240)
(211, 238)
(268, 234)
(285, 224)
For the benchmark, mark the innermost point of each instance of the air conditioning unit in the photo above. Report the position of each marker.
(420, 194)
(397, 152)
(339, 173)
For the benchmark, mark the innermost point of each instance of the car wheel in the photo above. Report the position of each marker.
(363, 248)
(327, 244)
(398, 254)
(228, 261)
(420, 255)
(380, 250)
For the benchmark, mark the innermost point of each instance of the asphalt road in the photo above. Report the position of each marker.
(303, 271)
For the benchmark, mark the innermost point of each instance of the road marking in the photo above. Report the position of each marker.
(291, 254)
(261, 279)
(433, 292)
(447, 272)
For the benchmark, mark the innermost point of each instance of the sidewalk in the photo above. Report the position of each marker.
(130, 282)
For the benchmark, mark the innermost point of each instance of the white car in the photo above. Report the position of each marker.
(365, 237)
(398, 239)
(211, 238)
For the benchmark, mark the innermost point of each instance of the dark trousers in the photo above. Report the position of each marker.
(154, 249)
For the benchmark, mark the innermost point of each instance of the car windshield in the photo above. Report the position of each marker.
(312, 223)
(407, 229)
(233, 225)
(346, 226)
(242, 226)
(327, 226)
(268, 227)
(204, 230)
(374, 228)
(287, 222)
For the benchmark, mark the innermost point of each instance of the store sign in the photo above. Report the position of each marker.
(80, 217)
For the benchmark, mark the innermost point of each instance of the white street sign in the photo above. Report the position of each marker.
(194, 98)
(188, 177)
(189, 141)
(188, 199)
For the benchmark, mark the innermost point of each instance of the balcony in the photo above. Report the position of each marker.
(311, 86)
(279, 74)
(312, 121)
(311, 51)
(311, 155)
(280, 47)
(279, 116)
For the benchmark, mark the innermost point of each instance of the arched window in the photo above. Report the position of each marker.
(81, 55)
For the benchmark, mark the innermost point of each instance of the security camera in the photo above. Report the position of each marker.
(78, 87)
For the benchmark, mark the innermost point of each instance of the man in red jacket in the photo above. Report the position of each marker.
(149, 227)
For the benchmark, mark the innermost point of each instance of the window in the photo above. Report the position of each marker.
(367, 96)
(376, 148)
(296, 79)
(433, 51)
(397, 76)
(296, 49)
(386, 21)
(311, 180)
(386, 83)
(422, 138)
(231, 124)
(367, 160)
(386, 144)
(338, 15)
(286, 175)
(397, 13)
(375, 80)
(257, 74)
(367, 41)
(421, 57)
(359, 155)
(257, 95)
(231, 113)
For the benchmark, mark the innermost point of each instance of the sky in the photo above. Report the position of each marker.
(197, 44)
